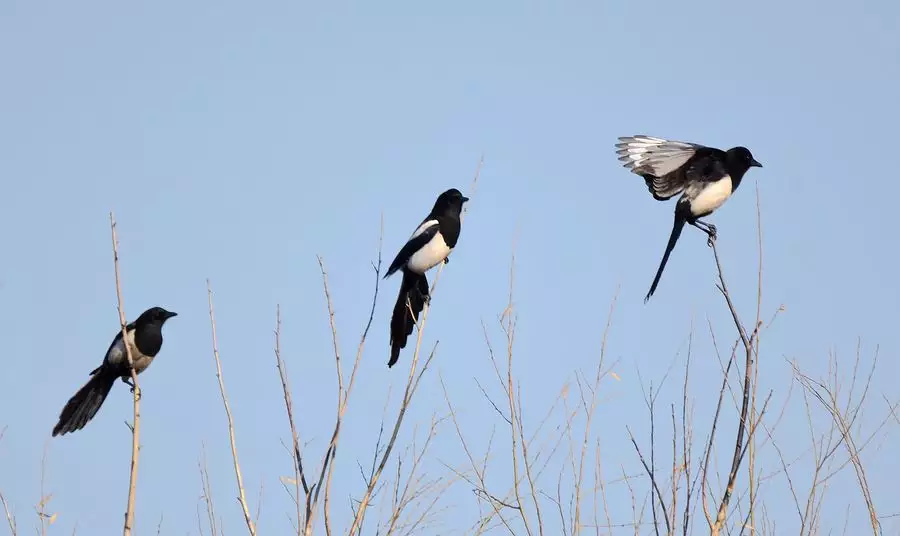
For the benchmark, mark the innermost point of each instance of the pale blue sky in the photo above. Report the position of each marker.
(235, 141)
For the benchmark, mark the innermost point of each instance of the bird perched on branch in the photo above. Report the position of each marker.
(704, 176)
(429, 245)
(144, 337)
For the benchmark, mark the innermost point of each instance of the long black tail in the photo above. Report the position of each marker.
(83, 405)
(673, 238)
(414, 288)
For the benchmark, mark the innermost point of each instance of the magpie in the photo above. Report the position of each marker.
(429, 245)
(704, 176)
(144, 336)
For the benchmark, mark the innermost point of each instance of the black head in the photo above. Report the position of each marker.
(450, 201)
(155, 315)
(740, 159)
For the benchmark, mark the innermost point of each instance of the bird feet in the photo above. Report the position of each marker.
(128, 382)
(712, 234)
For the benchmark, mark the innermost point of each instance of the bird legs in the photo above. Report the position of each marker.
(129, 383)
(707, 228)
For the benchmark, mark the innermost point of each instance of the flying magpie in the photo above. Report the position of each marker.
(144, 336)
(704, 176)
(430, 244)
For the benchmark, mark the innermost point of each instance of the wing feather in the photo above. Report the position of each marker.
(422, 235)
(659, 161)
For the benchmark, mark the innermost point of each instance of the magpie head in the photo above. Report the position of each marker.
(450, 201)
(155, 315)
(740, 159)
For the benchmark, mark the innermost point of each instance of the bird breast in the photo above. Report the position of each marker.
(430, 255)
(711, 197)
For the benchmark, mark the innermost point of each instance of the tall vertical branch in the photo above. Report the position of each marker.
(242, 498)
(136, 426)
(509, 328)
(748, 344)
(299, 477)
(751, 451)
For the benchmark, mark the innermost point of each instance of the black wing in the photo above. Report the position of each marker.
(659, 161)
(417, 241)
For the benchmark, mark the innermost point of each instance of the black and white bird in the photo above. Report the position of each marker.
(428, 246)
(144, 337)
(704, 176)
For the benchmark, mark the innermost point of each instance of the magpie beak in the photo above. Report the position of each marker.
(466, 199)
(754, 163)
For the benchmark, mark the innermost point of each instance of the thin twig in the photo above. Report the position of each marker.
(745, 406)
(833, 407)
(709, 444)
(513, 411)
(299, 477)
(589, 415)
(11, 519)
(207, 494)
(136, 426)
(242, 498)
(751, 461)
(653, 483)
(343, 394)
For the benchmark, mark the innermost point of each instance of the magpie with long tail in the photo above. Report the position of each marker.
(429, 245)
(144, 337)
(704, 176)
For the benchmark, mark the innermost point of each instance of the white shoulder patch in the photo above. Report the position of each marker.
(656, 156)
(422, 228)
(117, 353)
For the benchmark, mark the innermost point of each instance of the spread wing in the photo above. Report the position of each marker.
(661, 162)
(423, 234)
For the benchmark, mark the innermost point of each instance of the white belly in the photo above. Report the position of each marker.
(712, 197)
(435, 251)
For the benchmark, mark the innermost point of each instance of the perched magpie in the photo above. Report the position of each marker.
(144, 336)
(430, 244)
(706, 176)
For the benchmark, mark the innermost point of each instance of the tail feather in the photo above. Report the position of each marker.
(84, 404)
(414, 290)
(673, 239)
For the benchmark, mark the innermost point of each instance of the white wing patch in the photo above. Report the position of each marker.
(117, 355)
(422, 228)
(655, 156)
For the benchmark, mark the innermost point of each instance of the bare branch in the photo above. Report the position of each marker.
(136, 426)
(748, 342)
(207, 494)
(242, 498)
(297, 458)
(343, 393)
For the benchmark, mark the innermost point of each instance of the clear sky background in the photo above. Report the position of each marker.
(235, 141)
